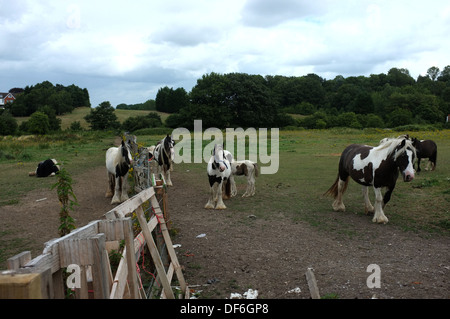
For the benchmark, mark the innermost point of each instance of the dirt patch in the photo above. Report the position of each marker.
(241, 251)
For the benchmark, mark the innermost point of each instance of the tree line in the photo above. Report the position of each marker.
(244, 100)
(379, 100)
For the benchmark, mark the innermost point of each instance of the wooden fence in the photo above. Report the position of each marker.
(87, 248)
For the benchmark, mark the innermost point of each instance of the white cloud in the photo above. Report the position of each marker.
(140, 46)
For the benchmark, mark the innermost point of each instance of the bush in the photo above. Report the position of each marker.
(8, 124)
(38, 123)
(134, 123)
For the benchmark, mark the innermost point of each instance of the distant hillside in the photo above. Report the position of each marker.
(79, 113)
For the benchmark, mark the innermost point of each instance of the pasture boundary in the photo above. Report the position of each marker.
(87, 247)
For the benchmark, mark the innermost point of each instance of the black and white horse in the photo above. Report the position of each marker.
(374, 166)
(425, 149)
(162, 156)
(49, 167)
(219, 173)
(118, 163)
(244, 168)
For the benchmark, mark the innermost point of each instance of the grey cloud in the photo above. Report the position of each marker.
(267, 13)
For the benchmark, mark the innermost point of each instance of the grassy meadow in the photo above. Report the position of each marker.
(308, 167)
(79, 113)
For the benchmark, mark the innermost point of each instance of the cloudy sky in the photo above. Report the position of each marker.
(124, 51)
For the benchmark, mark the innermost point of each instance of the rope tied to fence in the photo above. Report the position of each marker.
(144, 268)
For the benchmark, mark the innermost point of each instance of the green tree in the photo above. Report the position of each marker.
(8, 124)
(102, 117)
(170, 100)
(38, 123)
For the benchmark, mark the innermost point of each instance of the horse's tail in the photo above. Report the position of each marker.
(256, 169)
(334, 189)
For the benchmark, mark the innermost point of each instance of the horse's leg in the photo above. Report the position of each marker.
(252, 183)
(212, 193)
(368, 208)
(220, 204)
(210, 203)
(418, 165)
(233, 186)
(116, 197)
(379, 216)
(248, 190)
(110, 188)
(433, 160)
(167, 177)
(338, 205)
(124, 188)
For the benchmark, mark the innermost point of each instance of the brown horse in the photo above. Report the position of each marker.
(425, 149)
(374, 166)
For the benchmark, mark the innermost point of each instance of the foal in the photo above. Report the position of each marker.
(244, 168)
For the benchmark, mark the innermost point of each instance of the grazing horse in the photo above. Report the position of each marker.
(219, 173)
(374, 166)
(118, 163)
(244, 168)
(163, 155)
(425, 149)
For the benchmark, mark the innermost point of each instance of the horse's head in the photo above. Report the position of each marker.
(404, 156)
(169, 145)
(126, 154)
(219, 157)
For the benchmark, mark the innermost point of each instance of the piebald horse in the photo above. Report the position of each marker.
(118, 163)
(425, 149)
(244, 168)
(219, 172)
(374, 166)
(162, 156)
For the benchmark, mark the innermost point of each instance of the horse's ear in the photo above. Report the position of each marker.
(123, 143)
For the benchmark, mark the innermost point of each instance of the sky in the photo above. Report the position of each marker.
(125, 51)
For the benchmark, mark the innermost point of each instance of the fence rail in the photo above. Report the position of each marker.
(87, 247)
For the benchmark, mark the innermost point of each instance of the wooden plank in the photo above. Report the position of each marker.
(18, 260)
(312, 284)
(154, 253)
(50, 255)
(20, 286)
(169, 245)
(99, 268)
(131, 258)
(130, 205)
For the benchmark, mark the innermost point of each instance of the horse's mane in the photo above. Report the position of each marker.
(390, 144)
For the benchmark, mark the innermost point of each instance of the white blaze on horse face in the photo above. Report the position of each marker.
(408, 173)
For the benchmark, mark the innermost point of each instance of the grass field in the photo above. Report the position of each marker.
(79, 113)
(308, 167)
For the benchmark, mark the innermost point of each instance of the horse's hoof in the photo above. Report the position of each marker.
(380, 220)
(221, 207)
(115, 200)
(209, 206)
(339, 208)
